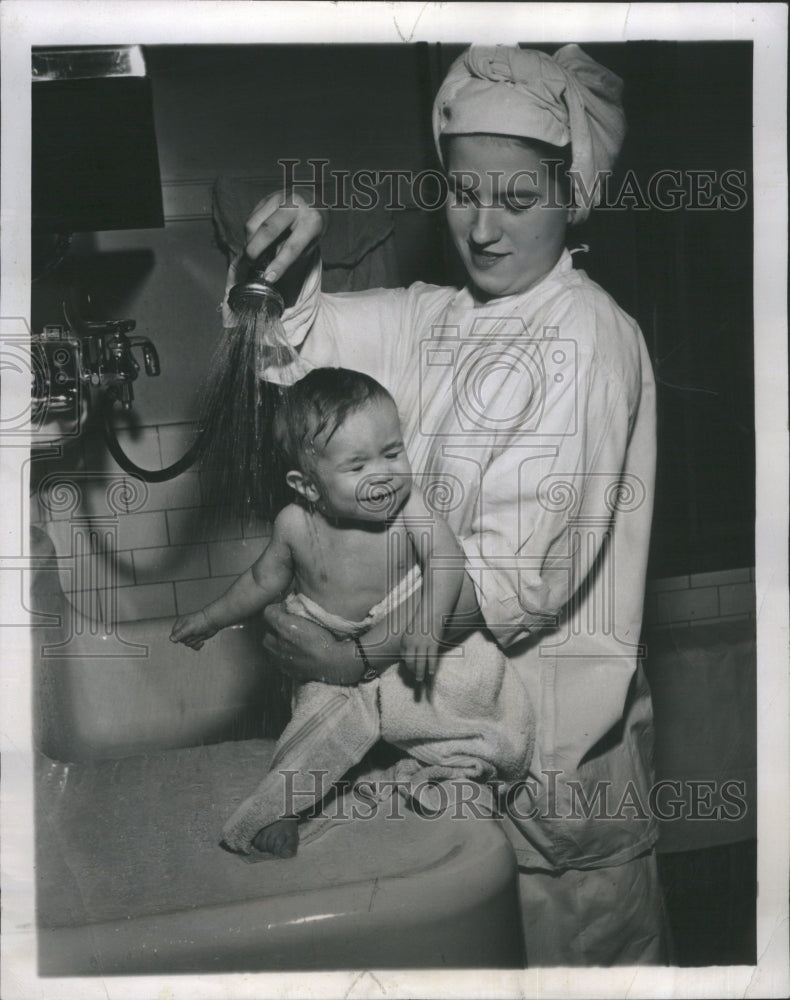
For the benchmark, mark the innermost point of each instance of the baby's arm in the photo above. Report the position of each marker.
(443, 566)
(265, 582)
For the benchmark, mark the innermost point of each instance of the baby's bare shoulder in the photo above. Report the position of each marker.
(416, 510)
(290, 524)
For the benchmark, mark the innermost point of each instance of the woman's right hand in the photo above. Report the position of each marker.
(277, 214)
(284, 212)
(307, 652)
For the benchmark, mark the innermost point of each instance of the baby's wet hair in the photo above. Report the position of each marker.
(315, 407)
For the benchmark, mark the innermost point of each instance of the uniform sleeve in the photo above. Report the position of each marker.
(370, 331)
(547, 498)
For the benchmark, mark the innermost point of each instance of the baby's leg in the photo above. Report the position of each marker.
(280, 838)
(331, 730)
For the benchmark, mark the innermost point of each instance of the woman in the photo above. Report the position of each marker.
(530, 395)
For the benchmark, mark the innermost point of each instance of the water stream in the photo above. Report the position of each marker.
(250, 372)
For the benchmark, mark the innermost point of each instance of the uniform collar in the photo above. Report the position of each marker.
(465, 298)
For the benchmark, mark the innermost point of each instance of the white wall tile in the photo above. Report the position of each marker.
(198, 524)
(173, 562)
(175, 440)
(737, 598)
(191, 595)
(183, 491)
(155, 600)
(142, 531)
(233, 557)
(719, 620)
(256, 528)
(667, 626)
(720, 577)
(667, 583)
(687, 605)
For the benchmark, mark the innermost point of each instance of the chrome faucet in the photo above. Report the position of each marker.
(86, 353)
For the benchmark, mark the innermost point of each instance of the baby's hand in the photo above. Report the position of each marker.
(421, 654)
(193, 630)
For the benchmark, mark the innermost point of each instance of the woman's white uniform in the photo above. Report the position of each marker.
(531, 421)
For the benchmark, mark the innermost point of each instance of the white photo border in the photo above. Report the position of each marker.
(57, 22)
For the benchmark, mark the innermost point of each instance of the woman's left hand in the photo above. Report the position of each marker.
(307, 652)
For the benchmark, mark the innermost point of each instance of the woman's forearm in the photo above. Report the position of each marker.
(466, 616)
(307, 652)
(340, 661)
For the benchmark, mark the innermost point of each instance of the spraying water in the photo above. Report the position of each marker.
(250, 372)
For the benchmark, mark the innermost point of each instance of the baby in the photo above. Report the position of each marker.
(357, 545)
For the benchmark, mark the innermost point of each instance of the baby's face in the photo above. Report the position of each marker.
(362, 473)
(509, 229)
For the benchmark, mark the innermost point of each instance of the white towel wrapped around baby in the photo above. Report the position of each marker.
(474, 721)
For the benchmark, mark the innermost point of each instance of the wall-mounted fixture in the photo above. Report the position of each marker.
(95, 164)
(95, 167)
(99, 355)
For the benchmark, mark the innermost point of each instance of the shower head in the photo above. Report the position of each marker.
(256, 295)
(259, 306)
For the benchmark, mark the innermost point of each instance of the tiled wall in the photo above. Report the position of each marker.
(701, 598)
(171, 557)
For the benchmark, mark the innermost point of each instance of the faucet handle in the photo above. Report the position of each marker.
(151, 359)
(150, 355)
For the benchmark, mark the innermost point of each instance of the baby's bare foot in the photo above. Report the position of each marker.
(280, 838)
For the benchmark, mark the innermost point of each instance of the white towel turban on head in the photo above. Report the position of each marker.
(559, 99)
